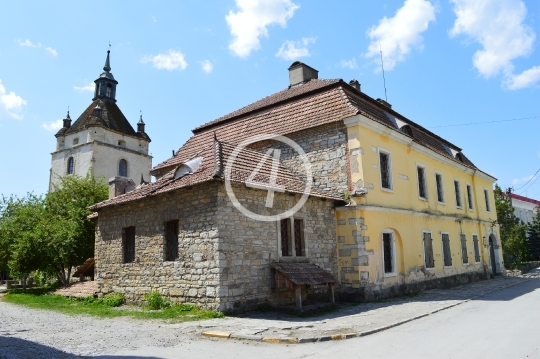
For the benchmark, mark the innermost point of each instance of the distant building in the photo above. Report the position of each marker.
(524, 208)
(102, 140)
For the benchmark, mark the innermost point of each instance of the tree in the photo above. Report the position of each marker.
(513, 232)
(52, 233)
(72, 240)
(534, 237)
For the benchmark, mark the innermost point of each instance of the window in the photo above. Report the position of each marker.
(121, 143)
(428, 250)
(422, 188)
(128, 235)
(486, 196)
(470, 197)
(464, 254)
(109, 91)
(75, 141)
(171, 240)
(440, 190)
(459, 157)
(406, 130)
(292, 242)
(123, 168)
(385, 167)
(388, 253)
(476, 248)
(447, 254)
(458, 193)
(71, 166)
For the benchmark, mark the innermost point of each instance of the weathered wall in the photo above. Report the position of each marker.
(326, 148)
(193, 277)
(248, 246)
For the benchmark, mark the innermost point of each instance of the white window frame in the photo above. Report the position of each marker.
(424, 249)
(486, 200)
(293, 239)
(479, 248)
(442, 252)
(393, 243)
(418, 165)
(470, 201)
(458, 206)
(390, 177)
(437, 173)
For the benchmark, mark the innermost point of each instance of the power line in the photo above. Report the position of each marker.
(530, 184)
(517, 189)
(480, 123)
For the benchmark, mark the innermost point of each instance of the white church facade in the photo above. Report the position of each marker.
(102, 140)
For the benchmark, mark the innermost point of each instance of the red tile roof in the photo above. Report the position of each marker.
(525, 199)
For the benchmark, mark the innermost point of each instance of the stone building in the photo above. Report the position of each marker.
(102, 140)
(316, 185)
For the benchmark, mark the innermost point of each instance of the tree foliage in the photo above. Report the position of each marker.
(51, 233)
(512, 230)
(534, 237)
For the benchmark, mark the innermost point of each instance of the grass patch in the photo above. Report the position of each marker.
(106, 307)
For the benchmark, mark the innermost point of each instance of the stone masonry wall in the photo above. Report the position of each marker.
(193, 277)
(326, 148)
(248, 246)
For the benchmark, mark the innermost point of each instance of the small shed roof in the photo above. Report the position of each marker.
(304, 273)
(86, 269)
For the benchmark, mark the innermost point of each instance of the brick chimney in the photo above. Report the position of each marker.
(300, 73)
(354, 83)
(120, 185)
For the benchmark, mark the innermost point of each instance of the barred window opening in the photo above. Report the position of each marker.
(470, 197)
(388, 253)
(486, 196)
(440, 193)
(71, 166)
(422, 192)
(384, 159)
(458, 194)
(129, 244)
(171, 240)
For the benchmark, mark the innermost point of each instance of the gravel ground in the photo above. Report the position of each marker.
(42, 334)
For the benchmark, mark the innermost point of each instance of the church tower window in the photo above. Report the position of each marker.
(109, 90)
(70, 166)
(122, 168)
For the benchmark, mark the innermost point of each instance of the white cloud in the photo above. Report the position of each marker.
(90, 87)
(497, 26)
(11, 105)
(207, 66)
(28, 43)
(170, 60)
(251, 22)
(399, 34)
(522, 180)
(51, 51)
(351, 64)
(53, 126)
(293, 50)
(154, 19)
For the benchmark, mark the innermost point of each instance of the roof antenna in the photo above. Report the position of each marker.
(384, 79)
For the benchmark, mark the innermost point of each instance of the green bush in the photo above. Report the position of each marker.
(154, 301)
(112, 299)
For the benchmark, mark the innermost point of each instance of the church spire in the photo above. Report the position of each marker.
(106, 84)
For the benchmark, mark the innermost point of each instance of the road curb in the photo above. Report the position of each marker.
(324, 338)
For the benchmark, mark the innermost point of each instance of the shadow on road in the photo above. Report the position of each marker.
(16, 348)
(459, 293)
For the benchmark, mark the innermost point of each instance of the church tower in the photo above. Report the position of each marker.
(102, 140)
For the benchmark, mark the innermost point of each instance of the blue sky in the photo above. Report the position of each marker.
(184, 63)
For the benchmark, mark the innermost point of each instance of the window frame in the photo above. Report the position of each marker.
(390, 177)
(421, 166)
(440, 175)
(119, 167)
(477, 247)
(424, 249)
(291, 220)
(457, 193)
(466, 253)
(125, 250)
(470, 196)
(166, 239)
(486, 200)
(393, 253)
(449, 250)
(70, 166)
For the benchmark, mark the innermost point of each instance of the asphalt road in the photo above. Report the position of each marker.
(504, 324)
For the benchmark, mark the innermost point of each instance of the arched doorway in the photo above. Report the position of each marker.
(492, 254)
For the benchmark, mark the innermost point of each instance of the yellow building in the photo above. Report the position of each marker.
(414, 214)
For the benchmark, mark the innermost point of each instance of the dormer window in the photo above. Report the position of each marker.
(121, 143)
(97, 111)
(459, 157)
(75, 141)
(406, 130)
